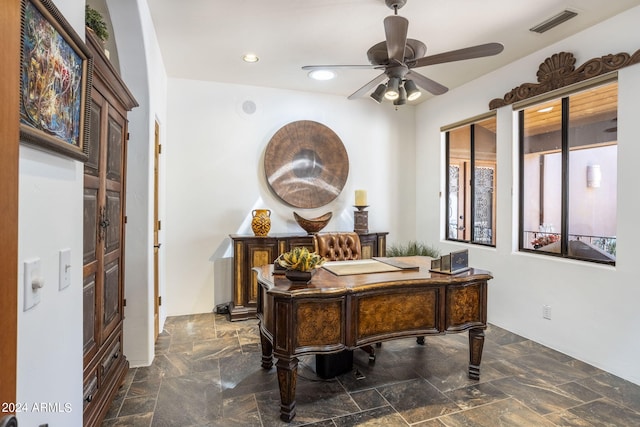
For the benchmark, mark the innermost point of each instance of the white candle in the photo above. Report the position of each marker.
(361, 198)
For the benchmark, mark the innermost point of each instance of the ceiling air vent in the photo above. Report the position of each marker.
(563, 16)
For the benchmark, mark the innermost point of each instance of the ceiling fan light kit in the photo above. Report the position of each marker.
(397, 57)
(392, 92)
(402, 97)
(378, 94)
(413, 92)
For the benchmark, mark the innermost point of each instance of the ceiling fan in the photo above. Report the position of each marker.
(398, 55)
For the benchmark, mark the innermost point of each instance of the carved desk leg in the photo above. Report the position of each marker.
(476, 343)
(287, 378)
(267, 351)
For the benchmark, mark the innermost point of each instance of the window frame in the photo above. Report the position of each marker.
(563, 95)
(473, 163)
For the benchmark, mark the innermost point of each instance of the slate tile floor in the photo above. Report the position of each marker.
(207, 373)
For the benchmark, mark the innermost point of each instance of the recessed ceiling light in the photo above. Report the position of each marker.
(250, 57)
(322, 74)
(545, 110)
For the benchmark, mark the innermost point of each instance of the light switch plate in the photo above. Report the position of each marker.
(64, 269)
(32, 273)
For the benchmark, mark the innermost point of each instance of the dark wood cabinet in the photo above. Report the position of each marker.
(373, 244)
(254, 251)
(103, 253)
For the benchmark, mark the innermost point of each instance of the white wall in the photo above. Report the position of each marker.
(594, 307)
(142, 70)
(50, 334)
(215, 176)
(50, 207)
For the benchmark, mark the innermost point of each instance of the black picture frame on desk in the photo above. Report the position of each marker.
(452, 263)
(459, 261)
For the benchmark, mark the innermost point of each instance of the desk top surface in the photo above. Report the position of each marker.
(324, 281)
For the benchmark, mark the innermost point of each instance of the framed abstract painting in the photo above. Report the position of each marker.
(55, 83)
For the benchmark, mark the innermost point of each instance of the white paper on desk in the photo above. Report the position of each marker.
(360, 266)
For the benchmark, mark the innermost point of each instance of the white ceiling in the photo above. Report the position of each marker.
(205, 39)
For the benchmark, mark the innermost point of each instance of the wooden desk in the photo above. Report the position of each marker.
(334, 313)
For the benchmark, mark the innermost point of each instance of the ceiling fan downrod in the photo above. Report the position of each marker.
(395, 4)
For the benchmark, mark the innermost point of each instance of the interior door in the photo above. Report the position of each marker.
(458, 221)
(156, 230)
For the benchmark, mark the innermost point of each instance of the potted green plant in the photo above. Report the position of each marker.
(300, 264)
(412, 249)
(95, 22)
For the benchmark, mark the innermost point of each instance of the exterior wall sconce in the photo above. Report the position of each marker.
(594, 176)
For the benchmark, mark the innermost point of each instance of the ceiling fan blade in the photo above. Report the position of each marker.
(426, 83)
(366, 88)
(395, 30)
(479, 51)
(355, 67)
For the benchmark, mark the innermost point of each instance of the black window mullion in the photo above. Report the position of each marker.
(521, 180)
(472, 185)
(447, 183)
(564, 210)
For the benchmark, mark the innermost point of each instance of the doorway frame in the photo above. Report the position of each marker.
(10, 34)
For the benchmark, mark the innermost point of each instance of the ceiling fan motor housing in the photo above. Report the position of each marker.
(378, 54)
(395, 4)
(398, 71)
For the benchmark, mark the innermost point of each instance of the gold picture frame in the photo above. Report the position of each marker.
(55, 82)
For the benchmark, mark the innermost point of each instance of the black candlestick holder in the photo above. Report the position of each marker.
(361, 219)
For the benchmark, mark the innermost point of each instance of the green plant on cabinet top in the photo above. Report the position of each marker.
(94, 20)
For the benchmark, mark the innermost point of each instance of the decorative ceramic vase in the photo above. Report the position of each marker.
(261, 222)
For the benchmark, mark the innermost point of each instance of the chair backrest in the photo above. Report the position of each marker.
(338, 246)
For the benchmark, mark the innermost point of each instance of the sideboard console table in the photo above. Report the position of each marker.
(253, 251)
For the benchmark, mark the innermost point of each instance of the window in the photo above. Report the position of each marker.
(568, 170)
(471, 182)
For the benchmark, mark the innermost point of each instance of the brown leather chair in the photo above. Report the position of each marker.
(341, 246)
(338, 246)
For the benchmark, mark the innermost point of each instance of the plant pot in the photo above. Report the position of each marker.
(299, 276)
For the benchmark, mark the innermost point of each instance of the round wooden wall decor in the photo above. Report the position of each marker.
(306, 164)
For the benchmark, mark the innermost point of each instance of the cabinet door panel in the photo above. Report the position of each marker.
(259, 254)
(93, 162)
(90, 225)
(112, 214)
(111, 301)
(89, 315)
(114, 149)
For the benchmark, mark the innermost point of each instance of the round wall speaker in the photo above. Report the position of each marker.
(249, 107)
